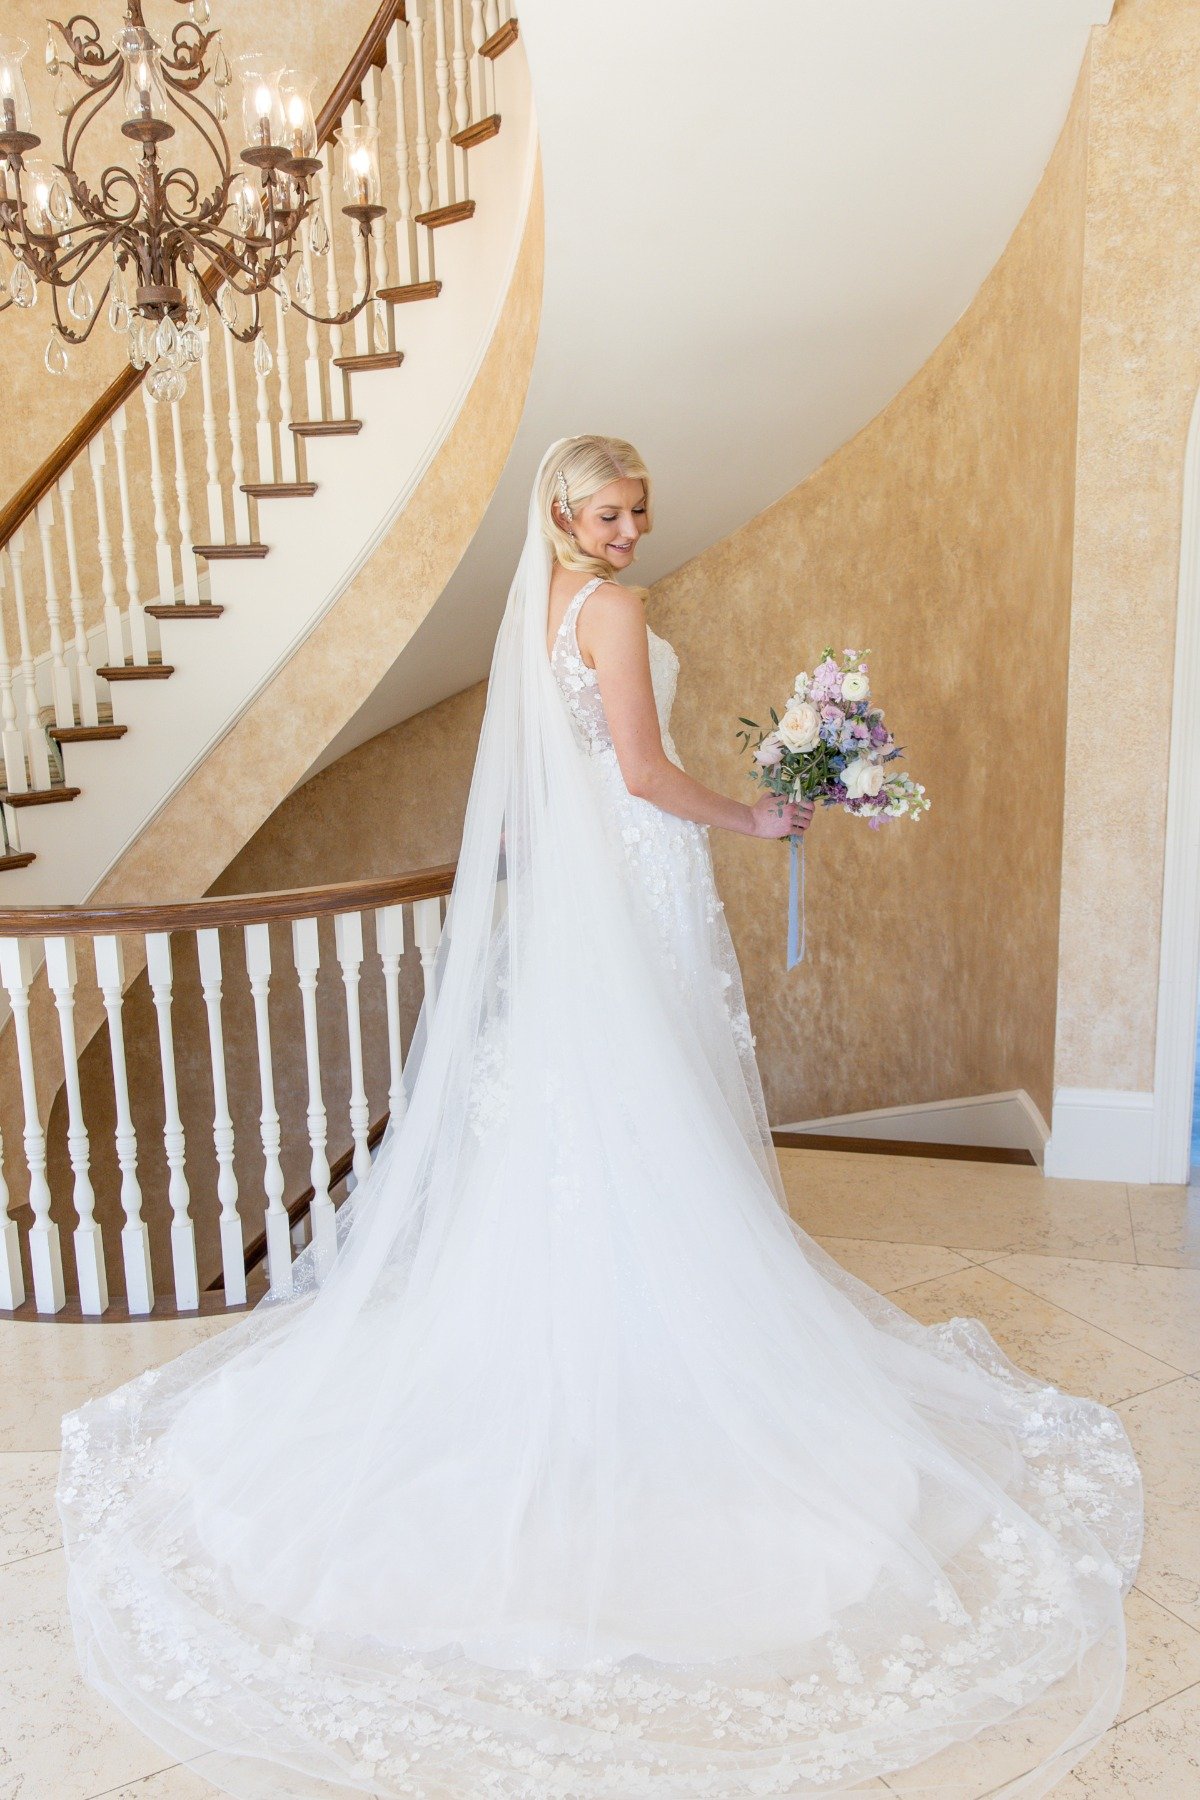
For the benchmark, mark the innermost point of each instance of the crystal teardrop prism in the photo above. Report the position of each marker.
(166, 384)
(222, 73)
(319, 232)
(60, 202)
(304, 292)
(80, 304)
(56, 355)
(166, 338)
(227, 306)
(118, 313)
(283, 289)
(64, 98)
(52, 63)
(22, 286)
(221, 108)
(264, 362)
(191, 345)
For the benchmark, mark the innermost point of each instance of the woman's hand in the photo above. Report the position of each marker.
(773, 817)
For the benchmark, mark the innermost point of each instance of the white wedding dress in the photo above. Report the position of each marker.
(585, 1474)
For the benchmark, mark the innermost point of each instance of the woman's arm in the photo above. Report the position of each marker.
(612, 636)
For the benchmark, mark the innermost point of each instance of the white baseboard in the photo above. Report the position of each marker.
(994, 1121)
(1101, 1134)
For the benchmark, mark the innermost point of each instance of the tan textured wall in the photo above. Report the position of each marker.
(940, 537)
(1140, 369)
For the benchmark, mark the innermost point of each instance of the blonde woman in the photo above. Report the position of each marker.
(583, 1473)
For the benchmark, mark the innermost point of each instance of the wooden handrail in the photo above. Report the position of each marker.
(229, 909)
(371, 52)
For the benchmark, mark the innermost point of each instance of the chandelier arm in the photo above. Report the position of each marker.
(187, 69)
(82, 114)
(196, 112)
(69, 333)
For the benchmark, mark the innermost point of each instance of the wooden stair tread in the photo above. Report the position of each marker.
(478, 133)
(42, 796)
(86, 734)
(16, 859)
(447, 215)
(136, 671)
(279, 490)
(202, 609)
(412, 290)
(230, 552)
(376, 359)
(501, 40)
(325, 427)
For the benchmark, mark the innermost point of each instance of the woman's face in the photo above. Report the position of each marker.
(610, 523)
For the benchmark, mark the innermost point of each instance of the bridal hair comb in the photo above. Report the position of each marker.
(562, 494)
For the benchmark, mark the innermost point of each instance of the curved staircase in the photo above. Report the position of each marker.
(167, 562)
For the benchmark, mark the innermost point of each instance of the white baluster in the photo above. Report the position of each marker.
(183, 1232)
(12, 1276)
(407, 269)
(187, 559)
(164, 557)
(233, 1250)
(135, 1240)
(339, 391)
(491, 19)
(264, 434)
(416, 21)
(278, 1229)
(89, 1245)
(306, 954)
(289, 467)
(348, 938)
(364, 324)
(441, 71)
(35, 738)
(242, 532)
(389, 941)
(314, 387)
(378, 258)
(462, 99)
(85, 678)
(108, 581)
(212, 460)
(16, 775)
(480, 64)
(427, 930)
(61, 698)
(45, 1255)
(139, 642)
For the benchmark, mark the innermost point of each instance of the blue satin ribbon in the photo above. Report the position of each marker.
(795, 944)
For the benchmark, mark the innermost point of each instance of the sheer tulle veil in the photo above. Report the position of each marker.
(583, 1473)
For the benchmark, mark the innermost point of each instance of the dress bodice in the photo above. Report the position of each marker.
(580, 685)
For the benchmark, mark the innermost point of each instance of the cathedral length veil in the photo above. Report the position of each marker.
(584, 1472)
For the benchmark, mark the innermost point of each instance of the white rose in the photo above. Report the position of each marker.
(800, 726)
(855, 687)
(862, 779)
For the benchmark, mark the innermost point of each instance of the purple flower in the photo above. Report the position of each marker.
(879, 734)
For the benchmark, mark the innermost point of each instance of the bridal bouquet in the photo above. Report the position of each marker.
(831, 745)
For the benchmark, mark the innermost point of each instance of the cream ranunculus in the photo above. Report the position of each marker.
(862, 779)
(855, 687)
(800, 726)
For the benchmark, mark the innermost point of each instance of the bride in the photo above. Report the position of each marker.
(582, 1473)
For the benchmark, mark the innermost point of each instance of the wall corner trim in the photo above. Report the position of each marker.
(1101, 1134)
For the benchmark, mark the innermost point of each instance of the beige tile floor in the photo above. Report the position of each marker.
(1092, 1285)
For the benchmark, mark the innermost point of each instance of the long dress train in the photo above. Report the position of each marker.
(585, 1473)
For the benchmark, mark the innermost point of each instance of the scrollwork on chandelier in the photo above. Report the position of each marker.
(168, 242)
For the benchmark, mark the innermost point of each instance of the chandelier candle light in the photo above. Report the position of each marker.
(831, 745)
(151, 245)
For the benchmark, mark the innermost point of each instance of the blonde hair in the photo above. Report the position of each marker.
(588, 464)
